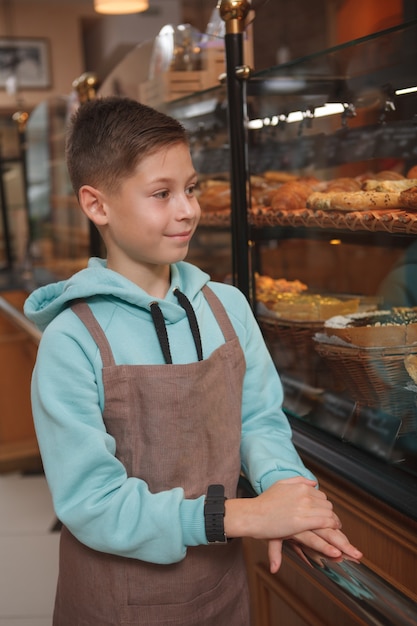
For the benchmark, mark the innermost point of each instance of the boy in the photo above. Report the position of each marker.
(152, 390)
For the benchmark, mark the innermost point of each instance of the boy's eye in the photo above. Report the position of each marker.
(190, 191)
(162, 194)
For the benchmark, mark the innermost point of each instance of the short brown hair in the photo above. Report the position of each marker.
(109, 136)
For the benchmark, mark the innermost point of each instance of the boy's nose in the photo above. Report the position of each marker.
(186, 207)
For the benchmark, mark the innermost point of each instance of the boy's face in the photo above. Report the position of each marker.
(151, 218)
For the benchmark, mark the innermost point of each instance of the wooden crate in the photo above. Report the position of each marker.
(173, 85)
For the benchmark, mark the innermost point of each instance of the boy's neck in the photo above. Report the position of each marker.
(155, 280)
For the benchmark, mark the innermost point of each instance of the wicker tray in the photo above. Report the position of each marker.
(293, 350)
(396, 221)
(375, 377)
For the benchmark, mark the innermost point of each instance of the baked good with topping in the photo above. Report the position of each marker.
(393, 327)
(355, 201)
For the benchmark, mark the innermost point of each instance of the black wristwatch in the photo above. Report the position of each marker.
(214, 514)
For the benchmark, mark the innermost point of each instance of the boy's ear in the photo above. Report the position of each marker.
(92, 204)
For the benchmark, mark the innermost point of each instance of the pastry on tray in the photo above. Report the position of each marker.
(310, 307)
(289, 300)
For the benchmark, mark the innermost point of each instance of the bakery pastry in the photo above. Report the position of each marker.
(290, 196)
(278, 177)
(388, 185)
(268, 289)
(412, 172)
(388, 175)
(408, 198)
(214, 195)
(343, 184)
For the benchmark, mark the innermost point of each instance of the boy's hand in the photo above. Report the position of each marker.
(328, 542)
(287, 508)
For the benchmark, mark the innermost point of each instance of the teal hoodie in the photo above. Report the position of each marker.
(92, 494)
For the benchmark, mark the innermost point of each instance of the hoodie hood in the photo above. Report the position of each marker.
(47, 302)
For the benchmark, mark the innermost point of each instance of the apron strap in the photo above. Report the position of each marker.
(219, 313)
(83, 311)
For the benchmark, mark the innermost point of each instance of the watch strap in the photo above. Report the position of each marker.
(214, 511)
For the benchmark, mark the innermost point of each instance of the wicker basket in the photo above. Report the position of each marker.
(374, 377)
(292, 348)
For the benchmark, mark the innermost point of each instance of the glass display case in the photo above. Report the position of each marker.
(339, 126)
(343, 123)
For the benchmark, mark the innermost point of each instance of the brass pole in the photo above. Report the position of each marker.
(86, 86)
(234, 13)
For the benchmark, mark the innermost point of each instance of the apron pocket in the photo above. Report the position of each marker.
(226, 603)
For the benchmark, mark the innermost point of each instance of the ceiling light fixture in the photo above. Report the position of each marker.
(120, 7)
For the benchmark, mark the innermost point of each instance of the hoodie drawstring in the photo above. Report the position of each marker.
(161, 331)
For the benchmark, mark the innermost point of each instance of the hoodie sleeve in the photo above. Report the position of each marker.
(267, 451)
(92, 494)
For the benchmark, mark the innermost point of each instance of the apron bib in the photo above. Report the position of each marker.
(174, 426)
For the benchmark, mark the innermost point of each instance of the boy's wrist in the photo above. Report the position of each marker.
(238, 517)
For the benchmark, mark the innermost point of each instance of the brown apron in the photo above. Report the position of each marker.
(190, 441)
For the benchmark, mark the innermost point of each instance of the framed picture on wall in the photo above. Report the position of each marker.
(24, 61)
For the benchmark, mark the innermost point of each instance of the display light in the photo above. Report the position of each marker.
(120, 7)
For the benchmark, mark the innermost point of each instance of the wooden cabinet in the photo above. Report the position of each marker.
(18, 447)
(293, 597)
